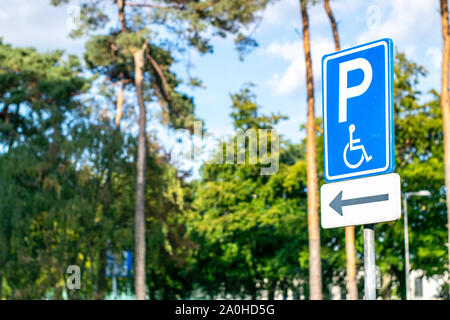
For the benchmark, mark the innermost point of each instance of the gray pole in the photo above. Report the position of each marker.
(114, 280)
(405, 226)
(370, 280)
(114, 287)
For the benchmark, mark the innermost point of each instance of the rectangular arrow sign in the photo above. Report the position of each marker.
(361, 201)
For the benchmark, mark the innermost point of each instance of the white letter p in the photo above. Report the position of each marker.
(345, 92)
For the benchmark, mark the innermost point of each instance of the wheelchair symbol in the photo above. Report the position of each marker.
(352, 147)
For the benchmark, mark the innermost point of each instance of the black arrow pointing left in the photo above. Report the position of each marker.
(338, 203)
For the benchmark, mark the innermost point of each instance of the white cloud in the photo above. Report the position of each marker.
(277, 12)
(287, 50)
(38, 24)
(3, 15)
(291, 80)
(340, 6)
(435, 55)
(294, 77)
(284, 16)
(409, 23)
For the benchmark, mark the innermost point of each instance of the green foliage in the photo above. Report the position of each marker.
(245, 112)
(251, 229)
(419, 161)
(68, 181)
(41, 209)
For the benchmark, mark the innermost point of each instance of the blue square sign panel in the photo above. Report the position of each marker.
(357, 96)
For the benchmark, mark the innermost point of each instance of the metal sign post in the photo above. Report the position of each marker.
(114, 287)
(370, 279)
(405, 228)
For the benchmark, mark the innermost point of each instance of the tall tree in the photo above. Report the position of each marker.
(352, 287)
(139, 277)
(139, 218)
(188, 21)
(42, 209)
(315, 266)
(334, 29)
(445, 106)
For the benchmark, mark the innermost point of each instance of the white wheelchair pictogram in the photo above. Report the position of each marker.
(351, 145)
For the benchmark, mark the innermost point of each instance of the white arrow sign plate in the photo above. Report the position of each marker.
(361, 201)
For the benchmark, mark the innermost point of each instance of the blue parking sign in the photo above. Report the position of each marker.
(357, 96)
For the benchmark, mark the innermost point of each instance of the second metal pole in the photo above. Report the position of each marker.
(114, 287)
(370, 280)
(406, 234)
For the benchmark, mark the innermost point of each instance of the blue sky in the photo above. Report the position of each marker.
(276, 67)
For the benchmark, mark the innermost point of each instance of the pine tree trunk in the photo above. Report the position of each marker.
(446, 108)
(315, 267)
(352, 288)
(121, 5)
(139, 276)
(333, 24)
(119, 102)
(119, 106)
